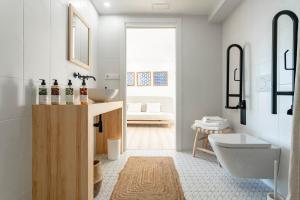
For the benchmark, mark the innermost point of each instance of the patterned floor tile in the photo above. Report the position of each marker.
(201, 177)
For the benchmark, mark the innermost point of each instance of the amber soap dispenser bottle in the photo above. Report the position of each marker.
(55, 93)
(83, 93)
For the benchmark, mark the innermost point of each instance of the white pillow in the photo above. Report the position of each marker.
(153, 107)
(134, 107)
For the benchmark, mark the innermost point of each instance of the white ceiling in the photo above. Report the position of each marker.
(190, 7)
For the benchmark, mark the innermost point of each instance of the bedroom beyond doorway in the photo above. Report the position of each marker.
(151, 83)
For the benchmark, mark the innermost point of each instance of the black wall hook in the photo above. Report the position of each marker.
(242, 103)
(99, 125)
(275, 92)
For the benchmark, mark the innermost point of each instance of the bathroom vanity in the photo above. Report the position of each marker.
(64, 146)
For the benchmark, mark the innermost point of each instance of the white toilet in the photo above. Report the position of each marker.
(245, 156)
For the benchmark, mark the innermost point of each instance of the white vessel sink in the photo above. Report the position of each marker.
(102, 95)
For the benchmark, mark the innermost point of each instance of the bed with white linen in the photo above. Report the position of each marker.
(149, 110)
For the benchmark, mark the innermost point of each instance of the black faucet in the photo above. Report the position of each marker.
(77, 75)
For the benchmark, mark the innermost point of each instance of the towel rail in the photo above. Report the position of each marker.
(242, 103)
(275, 92)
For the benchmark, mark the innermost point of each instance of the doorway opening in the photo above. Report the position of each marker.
(151, 88)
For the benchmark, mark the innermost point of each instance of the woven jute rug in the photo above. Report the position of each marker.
(148, 178)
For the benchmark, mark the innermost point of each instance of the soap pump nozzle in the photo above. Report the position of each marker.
(55, 82)
(70, 82)
(83, 82)
(43, 82)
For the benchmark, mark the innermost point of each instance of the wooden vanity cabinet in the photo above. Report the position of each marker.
(63, 147)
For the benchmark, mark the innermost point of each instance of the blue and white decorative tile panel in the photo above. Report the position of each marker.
(144, 78)
(130, 78)
(160, 78)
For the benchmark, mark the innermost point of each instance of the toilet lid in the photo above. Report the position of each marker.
(238, 140)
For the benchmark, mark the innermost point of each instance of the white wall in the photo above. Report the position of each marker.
(251, 26)
(201, 73)
(33, 40)
(201, 66)
(150, 50)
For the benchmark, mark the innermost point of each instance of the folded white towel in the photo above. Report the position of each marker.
(212, 119)
(210, 125)
(215, 124)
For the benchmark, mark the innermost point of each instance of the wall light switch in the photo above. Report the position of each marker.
(264, 83)
(111, 76)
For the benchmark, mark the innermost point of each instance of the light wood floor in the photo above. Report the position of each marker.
(150, 137)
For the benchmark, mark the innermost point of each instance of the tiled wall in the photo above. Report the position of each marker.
(33, 45)
(251, 26)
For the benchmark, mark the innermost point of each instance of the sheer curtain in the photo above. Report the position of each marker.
(294, 171)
